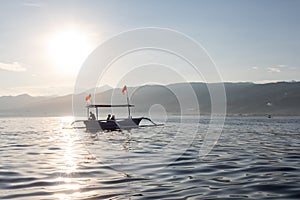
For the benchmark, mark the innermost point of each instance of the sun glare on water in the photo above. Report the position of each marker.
(68, 50)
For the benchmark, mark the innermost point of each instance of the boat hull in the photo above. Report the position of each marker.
(111, 125)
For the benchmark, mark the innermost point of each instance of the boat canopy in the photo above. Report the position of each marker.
(108, 105)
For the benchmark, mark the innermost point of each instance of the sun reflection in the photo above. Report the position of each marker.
(69, 156)
(67, 186)
(67, 119)
(71, 166)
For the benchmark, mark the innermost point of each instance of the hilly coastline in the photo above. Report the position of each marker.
(281, 98)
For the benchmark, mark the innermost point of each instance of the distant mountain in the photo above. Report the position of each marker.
(274, 98)
(26, 105)
(282, 98)
(98, 89)
(11, 102)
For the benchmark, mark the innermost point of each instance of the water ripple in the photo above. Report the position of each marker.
(255, 158)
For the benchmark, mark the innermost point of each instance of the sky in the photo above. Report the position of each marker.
(43, 44)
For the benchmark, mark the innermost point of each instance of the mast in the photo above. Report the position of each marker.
(96, 113)
(129, 115)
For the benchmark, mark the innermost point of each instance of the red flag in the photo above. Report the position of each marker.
(124, 90)
(88, 98)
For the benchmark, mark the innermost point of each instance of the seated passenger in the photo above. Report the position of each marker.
(112, 118)
(92, 116)
(108, 117)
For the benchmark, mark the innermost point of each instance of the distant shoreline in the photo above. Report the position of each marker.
(242, 99)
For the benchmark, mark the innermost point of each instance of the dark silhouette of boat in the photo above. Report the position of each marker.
(95, 124)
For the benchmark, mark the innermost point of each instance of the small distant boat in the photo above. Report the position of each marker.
(93, 123)
(269, 116)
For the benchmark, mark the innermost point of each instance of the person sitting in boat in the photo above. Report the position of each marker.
(108, 117)
(92, 116)
(113, 118)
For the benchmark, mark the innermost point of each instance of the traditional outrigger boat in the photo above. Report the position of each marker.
(95, 124)
(115, 124)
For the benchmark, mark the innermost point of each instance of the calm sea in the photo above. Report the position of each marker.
(254, 158)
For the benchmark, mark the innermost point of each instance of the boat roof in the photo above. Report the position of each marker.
(108, 105)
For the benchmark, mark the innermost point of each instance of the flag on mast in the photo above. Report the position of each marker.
(88, 98)
(124, 90)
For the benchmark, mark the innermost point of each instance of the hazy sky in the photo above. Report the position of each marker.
(43, 43)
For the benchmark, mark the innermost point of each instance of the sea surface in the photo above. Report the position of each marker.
(254, 158)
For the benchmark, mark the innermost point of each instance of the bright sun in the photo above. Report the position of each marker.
(68, 50)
